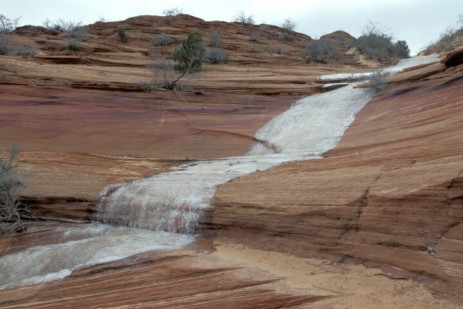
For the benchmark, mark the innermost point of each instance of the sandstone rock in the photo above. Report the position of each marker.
(390, 194)
(454, 58)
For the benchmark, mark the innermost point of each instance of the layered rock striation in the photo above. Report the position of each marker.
(389, 195)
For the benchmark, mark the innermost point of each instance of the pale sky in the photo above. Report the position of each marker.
(419, 22)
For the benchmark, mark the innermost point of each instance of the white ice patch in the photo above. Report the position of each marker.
(314, 124)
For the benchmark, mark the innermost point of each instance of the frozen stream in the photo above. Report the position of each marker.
(162, 212)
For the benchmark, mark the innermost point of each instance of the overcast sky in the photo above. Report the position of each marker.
(419, 22)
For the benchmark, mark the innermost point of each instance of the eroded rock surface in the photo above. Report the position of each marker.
(390, 194)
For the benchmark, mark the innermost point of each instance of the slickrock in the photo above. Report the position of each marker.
(390, 194)
(389, 197)
(181, 279)
(76, 141)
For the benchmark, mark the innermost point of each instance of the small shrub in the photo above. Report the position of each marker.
(187, 56)
(255, 36)
(27, 51)
(172, 12)
(447, 38)
(5, 45)
(322, 51)
(277, 50)
(286, 36)
(445, 42)
(9, 47)
(216, 56)
(161, 40)
(378, 80)
(401, 49)
(8, 25)
(73, 44)
(62, 26)
(215, 38)
(288, 25)
(243, 19)
(78, 33)
(121, 33)
(164, 74)
(376, 44)
(11, 186)
(189, 53)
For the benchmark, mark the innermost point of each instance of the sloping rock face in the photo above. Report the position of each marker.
(390, 194)
(261, 60)
(74, 142)
(170, 280)
(84, 118)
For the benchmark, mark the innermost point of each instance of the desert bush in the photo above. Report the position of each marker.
(255, 36)
(244, 19)
(187, 59)
(376, 44)
(189, 53)
(215, 38)
(446, 39)
(7, 28)
(378, 80)
(286, 36)
(401, 49)
(322, 51)
(277, 50)
(27, 51)
(73, 44)
(78, 33)
(288, 25)
(121, 33)
(172, 12)
(62, 26)
(11, 186)
(5, 45)
(216, 55)
(161, 40)
(10, 47)
(164, 75)
(8, 25)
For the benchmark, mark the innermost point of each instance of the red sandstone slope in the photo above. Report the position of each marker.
(51, 109)
(261, 61)
(390, 194)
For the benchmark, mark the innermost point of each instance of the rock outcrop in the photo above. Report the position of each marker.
(390, 195)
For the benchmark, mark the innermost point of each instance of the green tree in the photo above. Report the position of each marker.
(376, 44)
(189, 54)
(401, 49)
